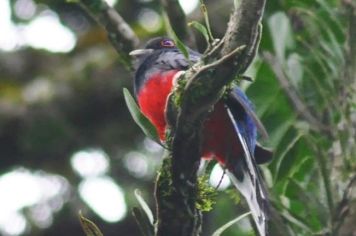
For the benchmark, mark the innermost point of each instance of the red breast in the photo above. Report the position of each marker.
(152, 98)
(219, 140)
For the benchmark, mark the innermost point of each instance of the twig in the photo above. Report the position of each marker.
(214, 64)
(206, 19)
(213, 48)
(178, 20)
(120, 34)
(222, 59)
(343, 208)
(221, 179)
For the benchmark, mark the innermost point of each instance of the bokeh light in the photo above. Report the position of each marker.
(152, 146)
(21, 189)
(104, 197)
(149, 20)
(111, 2)
(189, 5)
(14, 223)
(45, 31)
(90, 162)
(218, 178)
(25, 9)
(137, 164)
(42, 215)
(10, 42)
(38, 90)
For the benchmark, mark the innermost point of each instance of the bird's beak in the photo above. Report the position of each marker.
(140, 52)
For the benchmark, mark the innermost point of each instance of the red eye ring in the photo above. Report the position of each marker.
(167, 43)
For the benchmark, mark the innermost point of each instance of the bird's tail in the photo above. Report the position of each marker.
(246, 177)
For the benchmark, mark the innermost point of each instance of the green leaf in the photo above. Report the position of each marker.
(283, 155)
(89, 227)
(141, 120)
(181, 46)
(297, 221)
(294, 69)
(312, 205)
(144, 206)
(204, 10)
(281, 33)
(220, 230)
(201, 28)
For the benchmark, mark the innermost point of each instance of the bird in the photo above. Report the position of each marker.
(229, 133)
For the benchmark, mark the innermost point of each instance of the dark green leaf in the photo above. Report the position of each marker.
(204, 10)
(284, 155)
(300, 222)
(181, 46)
(313, 208)
(141, 120)
(201, 28)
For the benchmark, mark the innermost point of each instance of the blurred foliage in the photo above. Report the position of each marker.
(304, 45)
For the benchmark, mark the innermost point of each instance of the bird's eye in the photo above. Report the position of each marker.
(166, 43)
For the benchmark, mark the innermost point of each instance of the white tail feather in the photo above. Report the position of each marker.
(250, 184)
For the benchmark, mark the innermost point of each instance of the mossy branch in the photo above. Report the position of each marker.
(207, 80)
(205, 85)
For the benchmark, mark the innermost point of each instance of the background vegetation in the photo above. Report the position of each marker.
(55, 106)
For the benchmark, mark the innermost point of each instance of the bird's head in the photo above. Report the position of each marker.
(158, 56)
(155, 44)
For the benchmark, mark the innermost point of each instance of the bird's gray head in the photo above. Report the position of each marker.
(159, 43)
(160, 55)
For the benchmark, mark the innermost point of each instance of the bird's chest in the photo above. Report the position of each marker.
(152, 98)
(219, 139)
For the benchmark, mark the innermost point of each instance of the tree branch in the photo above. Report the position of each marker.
(205, 85)
(178, 20)
(343, 208)
(120, 34)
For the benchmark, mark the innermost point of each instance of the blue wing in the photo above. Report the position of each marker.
(243, 171)
(248, 122)
(241, 108)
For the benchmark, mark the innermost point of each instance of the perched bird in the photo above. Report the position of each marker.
(229, 132)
